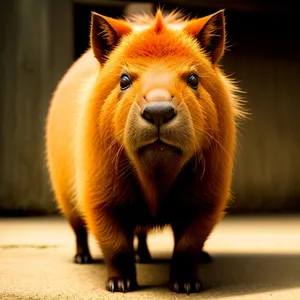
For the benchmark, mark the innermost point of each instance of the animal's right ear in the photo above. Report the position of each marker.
(105, 34)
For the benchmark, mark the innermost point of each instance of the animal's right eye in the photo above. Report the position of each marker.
(125, 82)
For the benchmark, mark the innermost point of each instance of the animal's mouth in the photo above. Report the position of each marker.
(159, 146)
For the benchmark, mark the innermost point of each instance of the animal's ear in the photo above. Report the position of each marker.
(105, 35)
(210, 33)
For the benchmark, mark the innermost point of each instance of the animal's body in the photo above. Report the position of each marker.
(141, 133)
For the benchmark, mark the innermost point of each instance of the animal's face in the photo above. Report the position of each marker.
(165, 109)
(164, 90)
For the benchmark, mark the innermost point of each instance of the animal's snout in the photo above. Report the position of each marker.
(159, 113)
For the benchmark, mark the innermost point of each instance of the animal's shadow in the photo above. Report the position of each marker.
(230, 274)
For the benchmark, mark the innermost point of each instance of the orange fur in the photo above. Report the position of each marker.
(94, 133)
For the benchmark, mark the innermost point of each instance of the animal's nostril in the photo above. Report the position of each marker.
(159, 113)
(147, 115)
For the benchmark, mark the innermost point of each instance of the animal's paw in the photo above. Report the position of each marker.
(143, 257)
(82, 258)
(186, 287)
(123, 285)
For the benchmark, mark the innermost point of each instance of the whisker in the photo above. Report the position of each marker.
(220, 145)
(204, 167)
(124, 170)
(108, 148)
(116, 157)
(113, 143)
(209, 138)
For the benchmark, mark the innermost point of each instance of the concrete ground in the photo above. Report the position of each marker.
(254, 258)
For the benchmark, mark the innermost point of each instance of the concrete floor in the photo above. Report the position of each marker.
(254, 258)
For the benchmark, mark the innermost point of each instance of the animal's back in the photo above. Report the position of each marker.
(61, 127)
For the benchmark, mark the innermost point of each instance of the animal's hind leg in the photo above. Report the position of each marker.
(82, 255)
(204, 257)
(142, 254)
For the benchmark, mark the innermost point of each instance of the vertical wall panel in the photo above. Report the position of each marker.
(36, 48)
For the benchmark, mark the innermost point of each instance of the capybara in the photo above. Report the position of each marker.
(141, 133)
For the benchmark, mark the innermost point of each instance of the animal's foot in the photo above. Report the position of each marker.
(143, 257)
(82, 258)
(186, 286)
(123, 285)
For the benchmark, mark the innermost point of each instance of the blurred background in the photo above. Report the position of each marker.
(39, 39)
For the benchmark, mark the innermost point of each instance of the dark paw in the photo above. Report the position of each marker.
(84, 258)
(186, 287)
(143, 258)
(204, 258)
(122, 285)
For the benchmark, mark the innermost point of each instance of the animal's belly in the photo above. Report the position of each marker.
(144, 217)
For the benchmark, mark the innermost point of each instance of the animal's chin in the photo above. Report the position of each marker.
(159, 148)
(159, 157)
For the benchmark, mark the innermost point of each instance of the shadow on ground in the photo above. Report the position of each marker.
(230, 274)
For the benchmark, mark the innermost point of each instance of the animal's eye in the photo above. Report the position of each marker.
(193, 81)
(125, 82)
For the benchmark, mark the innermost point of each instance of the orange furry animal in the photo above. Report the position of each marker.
(141, 133)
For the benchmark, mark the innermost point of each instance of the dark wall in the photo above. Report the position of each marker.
(36, 49)
(40, 39)
(82, 16)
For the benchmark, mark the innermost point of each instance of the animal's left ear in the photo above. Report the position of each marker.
(210, 32)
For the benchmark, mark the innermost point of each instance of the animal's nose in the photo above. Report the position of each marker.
(159, 113)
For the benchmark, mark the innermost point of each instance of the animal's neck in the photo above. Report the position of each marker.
(156, 184)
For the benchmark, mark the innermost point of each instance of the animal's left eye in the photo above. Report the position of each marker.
(193, 81)
(125, 82)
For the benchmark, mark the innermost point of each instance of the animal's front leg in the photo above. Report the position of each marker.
(116, 241)
(189, 240)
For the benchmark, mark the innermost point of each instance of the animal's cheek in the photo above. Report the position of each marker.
(204, 117)
(137, 131)
(192, 109)
(131, 127)
(210, 119)
(120, 117)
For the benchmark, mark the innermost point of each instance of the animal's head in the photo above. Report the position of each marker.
(163, 88)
